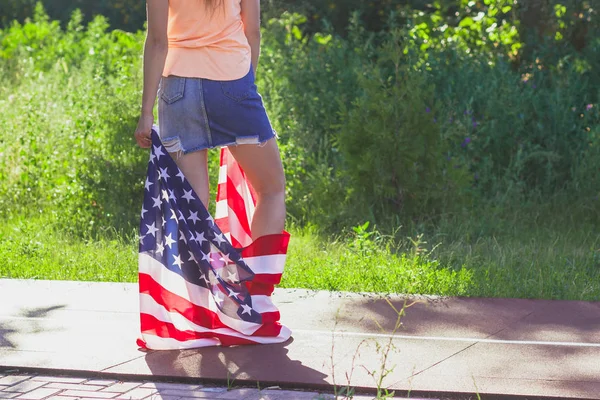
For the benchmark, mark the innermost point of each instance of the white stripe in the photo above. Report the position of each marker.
(263, 303)
(150, 306)
(158, 343)
(270, 264)
(195, 294)
(200, 295)
(221, 209)
(236, 230)
(448, 339)
(222, 174)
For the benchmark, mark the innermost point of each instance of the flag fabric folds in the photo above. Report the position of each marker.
(203, 281)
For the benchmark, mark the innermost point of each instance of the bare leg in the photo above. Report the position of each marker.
(195, 169)
(262, 165)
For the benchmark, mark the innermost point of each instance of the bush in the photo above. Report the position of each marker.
(371, 126)
(68, 99)
(348, 109)
(122, 14)
(393, 150)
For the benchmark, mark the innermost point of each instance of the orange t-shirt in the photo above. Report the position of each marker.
(205, 44)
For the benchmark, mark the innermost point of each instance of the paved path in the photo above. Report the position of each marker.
(487, 346)
(43, 387)
(36, 387)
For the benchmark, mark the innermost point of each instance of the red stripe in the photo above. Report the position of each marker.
(223, 156)
(269, 330)
(267, 245)
(235, 243)
(269, 318)
(175, 303)
(271, 279)
(222, 190)
(223, 224)
(260, 289)
(153, 326)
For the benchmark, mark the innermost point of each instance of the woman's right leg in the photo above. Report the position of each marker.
(262, 165)
(195, 169)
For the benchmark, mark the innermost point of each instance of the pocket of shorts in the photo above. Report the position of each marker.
(172, 89)
(239, 89)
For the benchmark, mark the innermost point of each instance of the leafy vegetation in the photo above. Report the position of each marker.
(418, 158)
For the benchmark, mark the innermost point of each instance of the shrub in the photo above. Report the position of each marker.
(394, 152)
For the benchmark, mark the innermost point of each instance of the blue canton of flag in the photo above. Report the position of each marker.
(178, 232)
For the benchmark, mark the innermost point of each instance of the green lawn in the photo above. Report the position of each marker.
(534, 263)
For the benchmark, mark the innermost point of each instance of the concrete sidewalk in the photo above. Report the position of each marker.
(488, 346)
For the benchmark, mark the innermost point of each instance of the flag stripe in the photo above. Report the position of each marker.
(266, 245)
(179, 320)
(201, 289)
(178, 290)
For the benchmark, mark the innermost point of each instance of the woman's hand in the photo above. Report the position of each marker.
(143, 131)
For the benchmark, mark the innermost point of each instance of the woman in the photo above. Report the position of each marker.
(201, 56)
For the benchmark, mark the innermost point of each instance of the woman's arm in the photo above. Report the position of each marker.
(155, 54)
(251, 20)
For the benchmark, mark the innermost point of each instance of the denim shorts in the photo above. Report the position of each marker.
(196, 114)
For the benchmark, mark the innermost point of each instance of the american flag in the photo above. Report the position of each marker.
(203, 281)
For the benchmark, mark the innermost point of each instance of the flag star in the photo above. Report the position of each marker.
(182, 237)
(152, 229)
(156, 202)
(200, 238)
(160, 248)
(247, 309)
(177, 260)
(219, 238)
(164, 222)
(169, 240)
(219, 298)
(165, 196)
(164, 174)
(232, 277)
(206, 281)
(205, 257)
(158, 152)
(148, 184)
(232, 293)
(225, 258)
(193, 258)
(172, 195)
(188, 195)
(144, 211)
(181, 217)
(210, 219)
(194, 216)
(142, 239)
(152, 157)
(180, 174)
(173, 215)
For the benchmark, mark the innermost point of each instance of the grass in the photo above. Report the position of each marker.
(32, 249)
(535, 263)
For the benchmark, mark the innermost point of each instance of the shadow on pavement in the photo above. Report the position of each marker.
(543, 320)
(267, 364)
(27, 324)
